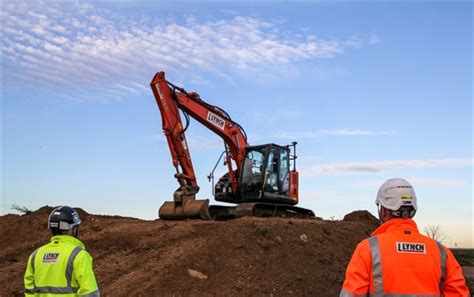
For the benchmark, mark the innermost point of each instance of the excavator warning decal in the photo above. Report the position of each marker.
(215, 120)
(162, 99)
(159, 91)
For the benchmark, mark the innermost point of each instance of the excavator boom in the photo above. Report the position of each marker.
(170, 100)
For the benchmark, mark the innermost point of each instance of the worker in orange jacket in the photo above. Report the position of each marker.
(397, 260)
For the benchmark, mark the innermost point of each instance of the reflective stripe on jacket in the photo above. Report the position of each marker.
(397, 261)
(60, 268)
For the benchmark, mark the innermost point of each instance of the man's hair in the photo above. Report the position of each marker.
(56, 231)
(59, 232)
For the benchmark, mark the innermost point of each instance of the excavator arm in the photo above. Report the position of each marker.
(170, 100)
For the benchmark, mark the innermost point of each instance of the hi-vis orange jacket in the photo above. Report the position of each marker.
(398, 261)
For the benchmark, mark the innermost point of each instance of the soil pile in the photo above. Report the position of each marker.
(361, 215)
(244, 257)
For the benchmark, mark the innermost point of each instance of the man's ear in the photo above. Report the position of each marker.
(75, 231)
(384, 214)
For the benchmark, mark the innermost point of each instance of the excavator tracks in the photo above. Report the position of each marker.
(259, 209)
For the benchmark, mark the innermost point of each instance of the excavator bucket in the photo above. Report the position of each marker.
(186, 209)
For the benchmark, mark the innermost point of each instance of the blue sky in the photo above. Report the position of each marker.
(369, 90)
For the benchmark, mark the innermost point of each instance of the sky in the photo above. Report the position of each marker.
(369, 90)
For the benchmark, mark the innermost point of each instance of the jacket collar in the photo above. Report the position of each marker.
(68, 239)
(394, 224)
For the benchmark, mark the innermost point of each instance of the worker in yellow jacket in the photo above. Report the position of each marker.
(62, 267)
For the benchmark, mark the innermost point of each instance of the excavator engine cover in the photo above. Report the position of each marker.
(187, 208)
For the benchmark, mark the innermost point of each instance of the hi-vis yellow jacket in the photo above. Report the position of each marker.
(60, 268)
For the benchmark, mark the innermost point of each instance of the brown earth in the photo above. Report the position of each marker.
(244, 257)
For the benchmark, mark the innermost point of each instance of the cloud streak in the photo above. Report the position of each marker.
(445, 182)
(380, 166)
(438, 182)
(299, 135)
(93, 53)
(341, 132)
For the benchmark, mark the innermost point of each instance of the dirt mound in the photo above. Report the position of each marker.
(244, 257)
(46, 210)
(361, 215)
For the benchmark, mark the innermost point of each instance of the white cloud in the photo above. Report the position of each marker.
(298, 135)
(438, 182)
(94, 51)
(380, 166)
(374, 38)
(444, 182)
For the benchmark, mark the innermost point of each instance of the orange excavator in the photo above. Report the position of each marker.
(259, 179)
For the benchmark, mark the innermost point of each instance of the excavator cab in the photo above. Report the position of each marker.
(265, 177)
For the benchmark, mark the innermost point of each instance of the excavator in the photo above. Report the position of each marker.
(259, 179)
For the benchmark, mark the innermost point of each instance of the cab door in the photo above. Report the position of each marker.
(277, 178)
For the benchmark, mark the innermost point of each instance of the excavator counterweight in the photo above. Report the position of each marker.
(259, 179)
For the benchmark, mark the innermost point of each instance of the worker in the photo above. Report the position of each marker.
(62, 267)
(397, 260)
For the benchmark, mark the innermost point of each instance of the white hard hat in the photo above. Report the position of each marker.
(395, 193)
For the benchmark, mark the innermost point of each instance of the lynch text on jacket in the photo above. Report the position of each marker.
(411, 247)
